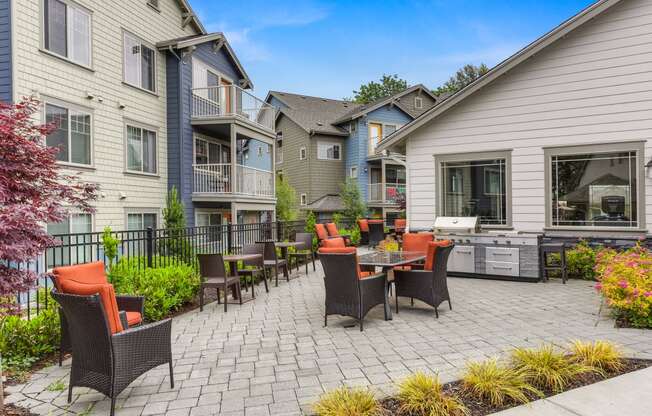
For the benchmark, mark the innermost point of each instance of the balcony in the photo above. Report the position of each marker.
(388, 193)
(230, 101)
(217, 179)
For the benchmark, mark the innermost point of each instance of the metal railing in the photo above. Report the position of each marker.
(230, 100)
(212, 178)
(254, 182)
(217, 178)
(390, 192)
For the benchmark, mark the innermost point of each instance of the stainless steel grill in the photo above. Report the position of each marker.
(457, 225)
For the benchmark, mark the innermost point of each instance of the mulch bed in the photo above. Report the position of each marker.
(11, 410)
(477, 408)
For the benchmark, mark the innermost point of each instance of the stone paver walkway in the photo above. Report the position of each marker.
(274, 357)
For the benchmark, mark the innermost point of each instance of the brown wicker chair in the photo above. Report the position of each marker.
(428, 285)
(272, 261)
(348, 291)
(213, 274)
(256, 267)
(304, 251)
(109, 362)
(376, 232)
(363, 225)
(333, 232)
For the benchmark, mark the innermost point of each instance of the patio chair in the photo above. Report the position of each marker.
(428, 285)
(350, 292)
(363, 225)
(415, 242)
(93, 273)
(333, 232)
(304, 251)
(213, 275)
(322, 233)
(256, 267)
(271, 260)
(376, 232)
(104, 358)
(399, 226)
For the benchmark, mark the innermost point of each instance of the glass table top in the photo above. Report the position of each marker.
(390, 258)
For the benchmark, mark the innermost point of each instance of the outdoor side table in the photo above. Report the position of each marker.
(233, 260)
(284, 246)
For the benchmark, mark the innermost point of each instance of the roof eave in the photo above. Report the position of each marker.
(200, 27)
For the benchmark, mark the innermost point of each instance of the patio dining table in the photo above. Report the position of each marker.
(233, 260)
(284, 246)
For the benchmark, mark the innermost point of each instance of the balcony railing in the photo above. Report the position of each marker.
(230, 101)
(389, 193)
(217, 178)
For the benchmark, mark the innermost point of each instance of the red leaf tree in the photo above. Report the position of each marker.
(33, 192)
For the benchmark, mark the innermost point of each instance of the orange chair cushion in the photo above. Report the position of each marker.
(375, 221)
(134, 318)
(399, 224)
(364, 225)
(333, 243)
(332, 229)
(107, 296)
(88, 273)
(320, 229)
(345, 250)
(416, 242)
(432, 248)
(403, 268)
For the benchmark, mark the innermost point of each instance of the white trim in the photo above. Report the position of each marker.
(303, 200)
(303, 153)
(69, 4)
(144, 127)
(45, 100)
(126, 33)
(351, 170)
(420, 101)
(209, 211)
(326, 142)
(135, 210)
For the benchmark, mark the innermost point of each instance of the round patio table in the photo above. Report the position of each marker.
(233, 260)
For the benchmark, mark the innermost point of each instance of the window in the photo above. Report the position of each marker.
(472, 185)
(302, 153)
(139, 63)
(153, 3)
(73, 249)
(260, 151)
(141, 220)
(72, 134)
(353, 173)
(304, 199)
(269, 148)
(328, 151)
(211, 219)
(377, 132)
(594, 186)
(279, 155)
(141, 150)
(67, 30)
(418, 103)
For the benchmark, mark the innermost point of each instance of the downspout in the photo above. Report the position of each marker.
(180, 121)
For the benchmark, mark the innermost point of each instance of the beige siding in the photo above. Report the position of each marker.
(46, 76)
(326, 176)
(296, 172)
(407, 102)
(593, 86)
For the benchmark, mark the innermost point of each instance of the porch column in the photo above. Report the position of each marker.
(234, 161)
(382, 179)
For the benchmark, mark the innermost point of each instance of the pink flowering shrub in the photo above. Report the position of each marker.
(625, 282)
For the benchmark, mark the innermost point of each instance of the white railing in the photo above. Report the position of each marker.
(216, 178)
(389, 193)
(230, 100)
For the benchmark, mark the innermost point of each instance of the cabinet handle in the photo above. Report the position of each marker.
(502, 267)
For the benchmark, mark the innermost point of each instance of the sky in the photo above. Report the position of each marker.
(330, 48)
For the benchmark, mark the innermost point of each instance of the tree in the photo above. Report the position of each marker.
(354, 206)
(174, 213)
(33, 192)
(463, 77)
(372, 91)
(286, 199)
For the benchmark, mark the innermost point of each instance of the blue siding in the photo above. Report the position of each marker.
(264, 161)
(220, 60)
(5, 51)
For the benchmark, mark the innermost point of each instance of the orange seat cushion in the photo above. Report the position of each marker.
(107, 296)
(362, 275)
(320, 229)
(346, 250)
(333, 243)
(399, 224)
(332, 229)
(375, 221)
(432, 248)
(88, 273)
(364, 225)
(134, 318)
(416, 242)
(403, 268)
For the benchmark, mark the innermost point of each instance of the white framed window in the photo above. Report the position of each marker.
(260, 151)
(377, 132)
(279, 156)
(72, 133)
(142, 149)
(154, 4)
(211, 220)
(329, 151)
(141, 220)
(139, 63)
(418, 103)
(304, 199)
(67, 30)
(72, 231)
(209, 152)
(303, 154)
(353, 172)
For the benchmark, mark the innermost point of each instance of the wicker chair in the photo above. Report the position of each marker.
(322, 233)
(256, 267)
(132, 306)
(363, 225)
(109, 362)
(272, 261)
(348, 292)
(333, 232)
(428, 285)
(213, 274)
(304, 251)
(376, 232)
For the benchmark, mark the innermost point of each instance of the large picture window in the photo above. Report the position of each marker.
(328, 151)
(139, 63)
(594, 189)
(141, 150)
(72, 133)
(67, 30)
(475, 187)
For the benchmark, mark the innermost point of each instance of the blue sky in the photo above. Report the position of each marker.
(329, 48)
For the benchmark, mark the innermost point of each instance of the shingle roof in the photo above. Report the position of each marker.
(314, 114)
(327, 203)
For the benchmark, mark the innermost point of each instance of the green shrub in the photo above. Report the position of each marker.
(423, 395)
(603, 355)
(347, 402)
(165, 288)
(580, 261)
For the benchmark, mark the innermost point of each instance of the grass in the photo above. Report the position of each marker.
(490, 382)
(422, 395)
(58, 385)
(347, 402)
(547, 368)
(602, 355)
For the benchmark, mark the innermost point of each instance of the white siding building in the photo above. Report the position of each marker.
(554, 139)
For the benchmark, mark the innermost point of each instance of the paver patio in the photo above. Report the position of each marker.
(274, 357)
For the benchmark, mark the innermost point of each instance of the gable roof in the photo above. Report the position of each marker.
(519, 57)
(327, 203)
(313, 114)
(392, 99)
(190, 14)
(194, 40)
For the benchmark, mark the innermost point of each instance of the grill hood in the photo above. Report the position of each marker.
(457, 225)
